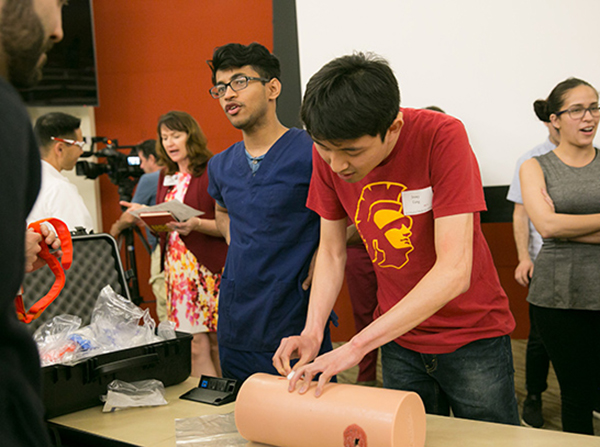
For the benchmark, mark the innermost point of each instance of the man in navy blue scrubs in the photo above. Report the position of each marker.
(260, 185)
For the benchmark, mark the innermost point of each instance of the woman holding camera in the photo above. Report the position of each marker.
(194, 251)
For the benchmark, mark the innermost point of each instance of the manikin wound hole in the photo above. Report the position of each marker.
(355, 436)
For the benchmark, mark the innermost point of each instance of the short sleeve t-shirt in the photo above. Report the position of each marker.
(514, 193)
(431, 173)
(145, 194)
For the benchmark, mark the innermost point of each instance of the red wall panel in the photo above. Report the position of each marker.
(151, 58)
(499, 237)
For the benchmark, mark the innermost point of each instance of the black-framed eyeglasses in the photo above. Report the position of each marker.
(236, 84)
(81, 144)
(578, 112)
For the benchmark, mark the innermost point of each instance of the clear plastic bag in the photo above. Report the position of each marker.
(116, 324)
(56, 340)
(166, 330)
(145, 393)
(211, 430)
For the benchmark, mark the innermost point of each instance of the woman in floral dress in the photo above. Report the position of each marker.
(194, 251)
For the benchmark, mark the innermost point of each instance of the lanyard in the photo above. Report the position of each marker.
(56, 267)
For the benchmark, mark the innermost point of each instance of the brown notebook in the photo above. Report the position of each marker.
(157, 221)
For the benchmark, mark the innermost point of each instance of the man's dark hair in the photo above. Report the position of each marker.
(543, 108)
(435, 109)
(350, 97)
(55, 124)
(147, 148)
(235, 55)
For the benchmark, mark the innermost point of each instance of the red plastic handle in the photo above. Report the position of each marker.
(56, 266)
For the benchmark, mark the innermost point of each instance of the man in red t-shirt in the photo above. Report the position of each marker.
(410, 182)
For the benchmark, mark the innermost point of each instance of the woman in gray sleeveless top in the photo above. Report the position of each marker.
(561, 194)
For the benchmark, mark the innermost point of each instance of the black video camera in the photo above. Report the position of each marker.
(123, 169)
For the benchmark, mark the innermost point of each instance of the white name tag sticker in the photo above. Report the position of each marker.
(170, 180)
(418, 201)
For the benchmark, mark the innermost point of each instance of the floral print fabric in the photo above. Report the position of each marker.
(192, 289)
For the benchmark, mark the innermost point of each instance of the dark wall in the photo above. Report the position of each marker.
(285, 46)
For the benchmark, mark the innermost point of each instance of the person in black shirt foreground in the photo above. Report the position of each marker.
(28, 29)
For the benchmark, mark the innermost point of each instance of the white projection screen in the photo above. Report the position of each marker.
(482, 61)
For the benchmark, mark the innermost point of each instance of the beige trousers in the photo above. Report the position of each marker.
(157, 281)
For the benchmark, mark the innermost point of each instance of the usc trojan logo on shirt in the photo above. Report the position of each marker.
(382, 224)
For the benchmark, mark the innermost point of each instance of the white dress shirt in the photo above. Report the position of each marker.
(60, 198)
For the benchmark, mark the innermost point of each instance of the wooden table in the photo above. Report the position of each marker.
(155, 427)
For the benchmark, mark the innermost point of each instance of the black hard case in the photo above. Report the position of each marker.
(96, 263)
(72, 388)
